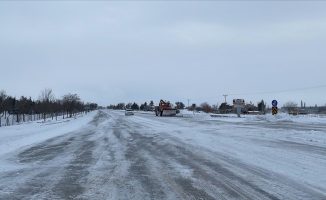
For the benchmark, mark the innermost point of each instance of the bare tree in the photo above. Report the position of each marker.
(46, 104)
(215, 107)
(71, 102)
(290, 105)
(206, 107)
(93, 106)
(179, 105)
(46, 98)
(3, 97)
(46, 95)
(57, 107)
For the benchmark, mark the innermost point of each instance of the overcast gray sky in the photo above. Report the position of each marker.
(136, 51)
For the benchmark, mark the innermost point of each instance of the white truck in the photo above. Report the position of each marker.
(129, 112)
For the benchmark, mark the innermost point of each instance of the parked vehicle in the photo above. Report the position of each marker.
(129, 112)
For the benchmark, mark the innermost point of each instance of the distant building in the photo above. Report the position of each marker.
(224, 107)
(302, 111)
(250, 107)
(322, 110)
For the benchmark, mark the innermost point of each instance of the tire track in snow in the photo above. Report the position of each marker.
(234, 179)
(51, 169)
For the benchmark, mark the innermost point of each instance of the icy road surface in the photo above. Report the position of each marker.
(113, 156)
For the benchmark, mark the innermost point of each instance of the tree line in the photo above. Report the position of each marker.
(205, 107)
(46, 105)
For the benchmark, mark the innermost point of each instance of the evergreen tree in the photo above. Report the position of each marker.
(135, 106)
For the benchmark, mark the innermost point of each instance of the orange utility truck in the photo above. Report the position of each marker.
(165, 108)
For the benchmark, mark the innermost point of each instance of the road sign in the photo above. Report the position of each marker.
(274, 103)
(274, 110)
(238, 104)
(238, 101)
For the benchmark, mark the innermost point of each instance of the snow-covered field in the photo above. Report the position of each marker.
(280, 117)
(268, 143)
(282, 157)
(21, 135)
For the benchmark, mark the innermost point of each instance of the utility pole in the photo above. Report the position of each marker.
(217, 108)
(188, 103)
(225, 95)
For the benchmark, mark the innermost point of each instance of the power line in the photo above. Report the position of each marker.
(283, 90)
(271, 92)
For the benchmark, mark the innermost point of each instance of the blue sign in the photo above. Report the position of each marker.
(274, 103)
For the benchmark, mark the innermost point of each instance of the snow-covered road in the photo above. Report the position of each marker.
(107, 155)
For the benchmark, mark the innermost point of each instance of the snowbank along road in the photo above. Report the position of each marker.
(114, 156)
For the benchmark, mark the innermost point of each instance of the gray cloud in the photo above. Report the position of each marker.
(142, 51)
